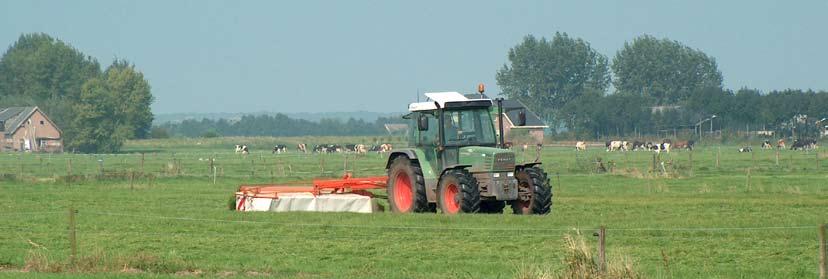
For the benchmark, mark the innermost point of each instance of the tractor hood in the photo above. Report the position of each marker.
(487, 159)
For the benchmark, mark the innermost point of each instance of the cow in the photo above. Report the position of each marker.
(638, 145)
(385, 147)
(350, 148)
(360, 149)
(302, 148)
(580, 146)
(780, 144)
(374, 148)
(685, 144)
(804, 144)
(279, 148)
(745, 149)
(320, 148)
(331, 148)
(614, 145)
(766, 144)
(242, 149)
(658, 147)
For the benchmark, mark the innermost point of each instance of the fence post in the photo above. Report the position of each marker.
(823, 263)
(748, 179)
(214, 175)
(718, 153)
(690, 155)
(816, 156)
(142, 162)
(777, 157)
(602, 256)
(73, 243)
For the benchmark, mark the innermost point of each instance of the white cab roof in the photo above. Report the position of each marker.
(441, 98)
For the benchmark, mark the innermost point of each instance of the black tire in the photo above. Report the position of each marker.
(458, 192)
(533, 181)
(411, 176)
(492, 207)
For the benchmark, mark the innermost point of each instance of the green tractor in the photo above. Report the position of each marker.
(454, 163)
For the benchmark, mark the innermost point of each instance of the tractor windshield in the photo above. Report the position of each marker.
(468, 127)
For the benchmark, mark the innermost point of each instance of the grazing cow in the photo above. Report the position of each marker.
(580, 146)
(238, 148)
(766, 144)
(385, 147)
(804, 144)
(664, 146)
(614, 145)
(374, 148)
(780, 144)
(360, 149)
(638, 145)
(242, 149)
(685, 144)
(745, 149)
(279, 148)
(331, 148)
(525, 147)
(320, 148)
(302, 148)
(350, 148)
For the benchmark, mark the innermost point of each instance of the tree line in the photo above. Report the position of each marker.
(278, 125)
(650, 85)
(96, 109)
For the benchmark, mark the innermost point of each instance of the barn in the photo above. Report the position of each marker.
(28, 129)
(531, 133)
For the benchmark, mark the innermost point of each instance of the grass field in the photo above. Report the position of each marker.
(160, 214)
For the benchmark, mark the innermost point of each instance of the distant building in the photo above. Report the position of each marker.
(531, 133)
(28, 129)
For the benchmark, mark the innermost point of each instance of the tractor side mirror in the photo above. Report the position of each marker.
(422, 123)
(521, 118)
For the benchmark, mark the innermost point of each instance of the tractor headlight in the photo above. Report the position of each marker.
(496, 175)
(510, 174)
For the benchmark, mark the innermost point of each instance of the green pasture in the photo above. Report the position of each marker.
(160, 209)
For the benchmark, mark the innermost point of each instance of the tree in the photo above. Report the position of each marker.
(547, 75)
(95, 127)
(39, 70)
(664, 71)
(129, 86)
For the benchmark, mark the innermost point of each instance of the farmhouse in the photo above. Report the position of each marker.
(28, 129)
(531, 133)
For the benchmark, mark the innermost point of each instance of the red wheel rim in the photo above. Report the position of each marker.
(403, 192)
(450, 202)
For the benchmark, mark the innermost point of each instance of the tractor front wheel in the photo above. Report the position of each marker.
(406, 187)
(458, 193)
(534, 192)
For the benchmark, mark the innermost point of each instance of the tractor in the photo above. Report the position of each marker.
(454, 162)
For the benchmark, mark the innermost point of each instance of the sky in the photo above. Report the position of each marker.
(335, 56)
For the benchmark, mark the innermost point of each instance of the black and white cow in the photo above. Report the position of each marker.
(745, 149)
(766, 144)
(279, 148)
(242, 149)
(804, 144)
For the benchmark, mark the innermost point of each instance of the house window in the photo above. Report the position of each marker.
(41, 122)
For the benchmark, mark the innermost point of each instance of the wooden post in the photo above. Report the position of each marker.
(69, 172)
(142, 162)
(718, 153)
(690, 155)
(822, 250)
(73, 243)
(252, 168)
(214, 175)
(131, 178)
(558, 177)
(823, 262)
(777, 157)
(816, 156)
(602, 256)
(753, 159)
(748, 179)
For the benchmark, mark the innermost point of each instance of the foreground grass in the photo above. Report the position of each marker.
(175, 220)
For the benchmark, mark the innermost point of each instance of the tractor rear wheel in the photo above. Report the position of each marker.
(406, 187)
(534, 192)
(492, 207)
(458, 192)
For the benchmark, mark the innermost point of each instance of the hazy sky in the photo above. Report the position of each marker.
(314, 56)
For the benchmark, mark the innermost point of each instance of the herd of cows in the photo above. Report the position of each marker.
(666, 145)
(325, 148)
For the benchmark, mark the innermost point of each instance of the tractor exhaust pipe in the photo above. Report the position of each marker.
(500, 121)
